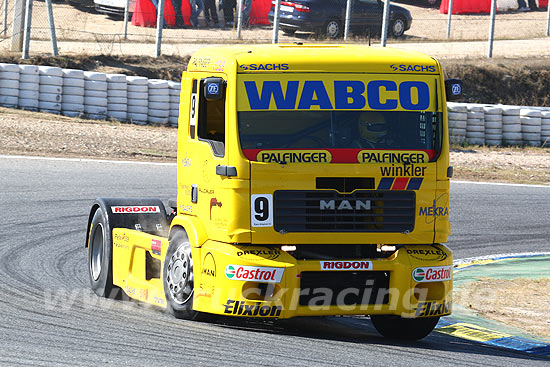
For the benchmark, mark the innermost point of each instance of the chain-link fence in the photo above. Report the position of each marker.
(83, 26)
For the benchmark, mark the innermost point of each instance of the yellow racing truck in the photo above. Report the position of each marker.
(312, 180)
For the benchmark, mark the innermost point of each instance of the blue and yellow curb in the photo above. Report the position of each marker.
(463, 330)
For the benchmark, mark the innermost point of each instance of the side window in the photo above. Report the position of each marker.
(211, 122)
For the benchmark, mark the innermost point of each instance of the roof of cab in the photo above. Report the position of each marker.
(311, 58)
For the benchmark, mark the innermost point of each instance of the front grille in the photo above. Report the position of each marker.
(344, 288)
(330, 211)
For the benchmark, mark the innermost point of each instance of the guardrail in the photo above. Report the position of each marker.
(139, 100)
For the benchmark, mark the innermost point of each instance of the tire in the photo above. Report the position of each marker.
(95, 85)
(72, 99)
(75, 107)
(117, 115)
(117, 86)
(160, 106)
(117, 93)
(158, 84)
(116, 107)
(28, 86)
(117, 100)
(9, 67)
(29, 94)
(9, 84)
(95, 101)
(137, 118)
(397, 27)
(73, 91)
(136, 80)
(158, 98)
(96, 93)
(100, 257)
(288, 31)
(29, 78)
(138, 89)
(28, 103)
(50, 97)
(51, 80)
(95, 110)
(396, 327)
(116, 78)
(50, 71)
(10, 75)
(73, 74)
(73, 83)
(94, 76)
(333, 29)
(138, 109)
(55, 89)
(157, 120)
(177, 277)
(28, 69)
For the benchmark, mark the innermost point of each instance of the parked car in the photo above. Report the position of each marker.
(114, 8)
(326, 17)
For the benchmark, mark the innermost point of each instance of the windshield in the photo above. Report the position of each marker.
(338, 129)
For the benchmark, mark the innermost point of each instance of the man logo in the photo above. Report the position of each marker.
(344, 205)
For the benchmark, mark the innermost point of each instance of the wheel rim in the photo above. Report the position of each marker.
(179, 275)
(332, 29)
(398, 27)
(96, 252)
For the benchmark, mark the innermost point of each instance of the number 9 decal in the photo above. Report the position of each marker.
(261, 210)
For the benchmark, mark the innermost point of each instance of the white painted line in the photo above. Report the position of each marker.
(499, 256)
(499, 184)
(85, 160)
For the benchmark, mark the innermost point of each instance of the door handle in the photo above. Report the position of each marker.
(227, 171)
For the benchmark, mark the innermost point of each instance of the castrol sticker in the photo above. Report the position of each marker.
(135, 209)
(433, 274)
(346, 265)
(254, 273)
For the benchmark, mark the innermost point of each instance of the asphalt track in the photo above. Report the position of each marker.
(49, 316)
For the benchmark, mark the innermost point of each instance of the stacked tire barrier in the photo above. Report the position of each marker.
(493, 125)
(458, 120)
(95, 95)
(117, 97)
(138, 99)
(475, 129)
(511, 126)
(174, 91)
(73, 93)
(545, 128)
(530, 126)
(9, 85)
(29, 82)
(158, 109)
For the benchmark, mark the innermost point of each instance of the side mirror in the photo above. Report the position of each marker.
(214, 89)
(453, 89)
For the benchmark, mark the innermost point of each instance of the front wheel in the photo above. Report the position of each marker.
(177, 278)
(396, 327)
(397, 27)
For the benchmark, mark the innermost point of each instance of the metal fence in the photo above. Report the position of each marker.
(79, 28)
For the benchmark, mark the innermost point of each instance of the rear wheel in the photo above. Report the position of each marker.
(397, 27)
(100, 258)
(333, 29)
(396, 327)
(177, 278)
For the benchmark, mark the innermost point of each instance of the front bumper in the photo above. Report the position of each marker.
(272, 283)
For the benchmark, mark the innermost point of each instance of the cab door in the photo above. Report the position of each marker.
(202, 185)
